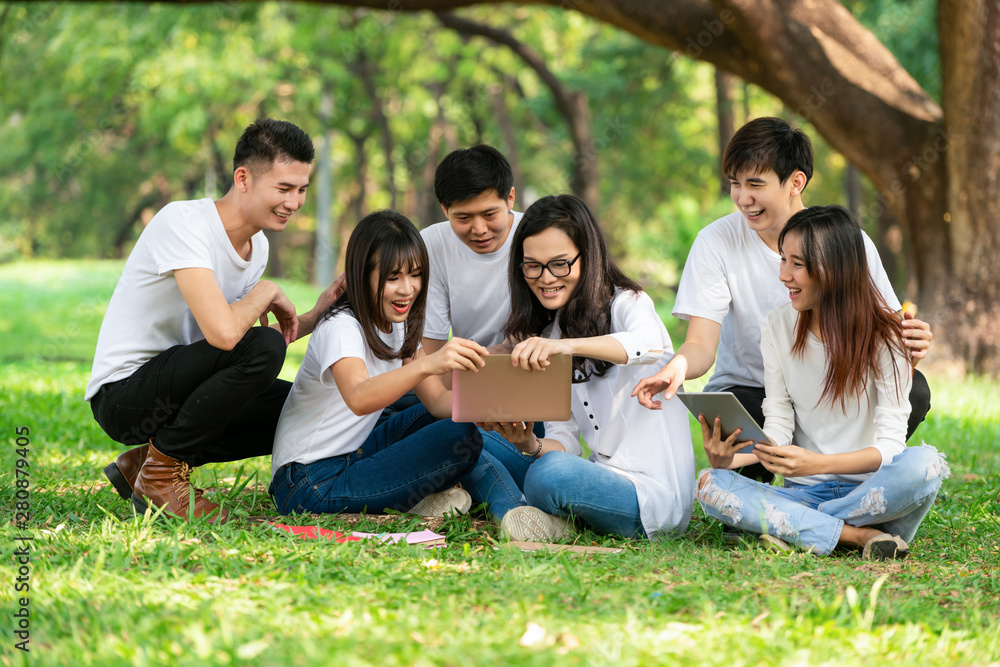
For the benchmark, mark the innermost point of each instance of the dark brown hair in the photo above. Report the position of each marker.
(267, 140)
(855, 321)
(768, 144)
(588, 311)
(384, 241)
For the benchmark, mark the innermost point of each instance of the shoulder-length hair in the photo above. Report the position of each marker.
(588, 311)
(855, 320)
(381, 244)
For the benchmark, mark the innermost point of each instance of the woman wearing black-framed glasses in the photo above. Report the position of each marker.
(569, 297)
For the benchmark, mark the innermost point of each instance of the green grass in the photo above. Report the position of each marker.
(111, 588)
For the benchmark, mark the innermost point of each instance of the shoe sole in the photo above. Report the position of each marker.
(887, 550)
(442, 503)
(138, 503)
(118, 481)
(534, 526)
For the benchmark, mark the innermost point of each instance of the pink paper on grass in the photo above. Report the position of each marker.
(419, 537)
(315, 533)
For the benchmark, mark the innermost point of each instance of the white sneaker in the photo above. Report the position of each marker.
(530, 524)
(444, 502)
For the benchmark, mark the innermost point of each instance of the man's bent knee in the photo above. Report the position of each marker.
(265, 346)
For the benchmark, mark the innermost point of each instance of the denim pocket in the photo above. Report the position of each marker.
(318, 480)
(285, 487)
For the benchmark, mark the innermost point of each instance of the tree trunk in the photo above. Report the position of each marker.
(324, 247)
(366, 69)
(727, 122)
(499, 103)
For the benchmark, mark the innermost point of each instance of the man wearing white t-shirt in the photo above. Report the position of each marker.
(730, 279)
(179, 364)
(468, 293)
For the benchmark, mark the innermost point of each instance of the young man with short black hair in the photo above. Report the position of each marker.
(181, 374)
(730, 279)
(467, 293)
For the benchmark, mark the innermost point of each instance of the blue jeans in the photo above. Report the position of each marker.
(408, 457)
(498, 478)
(570, 486)
(895, 499)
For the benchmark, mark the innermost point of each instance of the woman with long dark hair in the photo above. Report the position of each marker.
(569, 297)
(329, 455)
(837, 376)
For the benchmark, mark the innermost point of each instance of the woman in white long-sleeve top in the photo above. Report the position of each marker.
(569, 297)
(837, 376)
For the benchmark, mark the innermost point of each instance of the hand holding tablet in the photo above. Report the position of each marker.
(502, 392)
(729, 410)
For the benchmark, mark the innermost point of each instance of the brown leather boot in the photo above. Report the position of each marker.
(123, 470)
(166, 483)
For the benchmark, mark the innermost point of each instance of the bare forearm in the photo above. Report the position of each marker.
(852, 463)
(604, 348)
(378, 392)
(244, 314)
(539, 446)
(699, 359)
(307, 322)
(440, 405)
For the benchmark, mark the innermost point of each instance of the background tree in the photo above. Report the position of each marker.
(106, 116)
(937, 169)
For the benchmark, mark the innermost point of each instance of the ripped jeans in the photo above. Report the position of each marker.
(895, 499)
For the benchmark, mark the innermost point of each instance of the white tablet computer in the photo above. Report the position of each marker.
(500, 392)
(724, 404)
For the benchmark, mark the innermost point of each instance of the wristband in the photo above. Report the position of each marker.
(539, 450)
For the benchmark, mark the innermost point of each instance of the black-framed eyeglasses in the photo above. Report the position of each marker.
(559, 268)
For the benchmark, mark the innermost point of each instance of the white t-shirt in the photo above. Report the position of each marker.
(468, 292)
(731, 277)
(315, 422)
(147, 313)
(793, 413)
(652, 448)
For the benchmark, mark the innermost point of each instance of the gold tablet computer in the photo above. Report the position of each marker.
(500, 392)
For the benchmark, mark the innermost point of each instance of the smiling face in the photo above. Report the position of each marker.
(273, 196)
(803, 289)
(765, 202)
(553, 292)
(402, 286)
(483, 222)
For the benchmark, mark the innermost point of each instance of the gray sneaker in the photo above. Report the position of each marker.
(530, 524)
(453, 500)
(886, 547)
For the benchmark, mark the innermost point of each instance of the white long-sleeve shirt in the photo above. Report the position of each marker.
(731, 277)
(793, 413)
(652, 448)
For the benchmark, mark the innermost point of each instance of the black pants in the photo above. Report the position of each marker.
(753, 397)
(202, 404)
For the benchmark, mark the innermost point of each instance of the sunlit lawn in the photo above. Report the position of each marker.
(109, 588)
